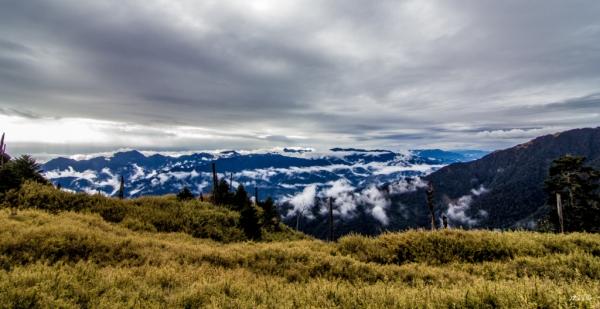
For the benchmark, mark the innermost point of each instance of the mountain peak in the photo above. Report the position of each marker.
(127, 156)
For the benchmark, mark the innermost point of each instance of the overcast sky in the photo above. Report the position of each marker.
(89, 76)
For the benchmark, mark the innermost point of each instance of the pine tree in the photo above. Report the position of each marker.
(27, 168)
(17, 171)
(185, 194)
(9, 179)
(240, 199)
(270, 214)
(249, 221)
(577, 185)
(225, 194)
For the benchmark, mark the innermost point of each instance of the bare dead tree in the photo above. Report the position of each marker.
(299, 215)
(215, 184)
(2, 150)
(122, 188)
(230, 181)
(331, 219)
(256, 195)
(430, 200)
(560, 213)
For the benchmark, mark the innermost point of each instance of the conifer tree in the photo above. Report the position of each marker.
(17, 171)
(224, 192)
(8, 179)
(240, 199)
(249, 221)
(270, 214)
(27, 168)
(185, 194)
(577, 186)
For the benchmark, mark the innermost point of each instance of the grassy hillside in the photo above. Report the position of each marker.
(150, 213)
(82, 257)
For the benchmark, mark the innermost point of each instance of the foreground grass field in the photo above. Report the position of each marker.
(79, 259)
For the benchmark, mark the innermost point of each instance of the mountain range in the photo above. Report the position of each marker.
(278, 173)
(371, 190)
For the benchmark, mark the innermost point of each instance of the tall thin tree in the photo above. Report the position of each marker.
(215, 185)
(430, 201)
(560, 212)
(122, 188)
(2, 148)
(331, 219)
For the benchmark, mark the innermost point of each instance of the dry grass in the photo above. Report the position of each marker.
(74, 256)
(80, 260)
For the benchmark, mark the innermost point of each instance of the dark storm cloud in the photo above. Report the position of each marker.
(335, 73)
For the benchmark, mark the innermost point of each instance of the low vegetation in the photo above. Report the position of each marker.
(153, 214)
(81, 254)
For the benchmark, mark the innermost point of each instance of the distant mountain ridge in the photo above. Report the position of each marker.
(277, 174)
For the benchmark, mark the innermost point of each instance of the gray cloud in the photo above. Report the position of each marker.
(408, 74)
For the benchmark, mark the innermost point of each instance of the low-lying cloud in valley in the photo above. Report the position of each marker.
(457, 211)
(347, 199)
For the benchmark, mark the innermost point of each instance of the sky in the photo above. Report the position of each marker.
(82, 77)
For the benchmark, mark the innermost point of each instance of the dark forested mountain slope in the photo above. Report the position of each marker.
(506, 185)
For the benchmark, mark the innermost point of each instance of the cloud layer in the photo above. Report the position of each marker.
(347, 199)
(161, 75)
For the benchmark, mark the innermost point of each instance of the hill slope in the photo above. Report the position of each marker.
(505, 186)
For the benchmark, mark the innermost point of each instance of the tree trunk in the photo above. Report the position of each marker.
(122, 188)
(560, 213)
(2, 152)
(331, 219)
(215, 184)
(430, 200)
(256, 195)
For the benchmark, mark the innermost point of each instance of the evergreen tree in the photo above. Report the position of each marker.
(270, 215)
(249, 221)
(9, 179)
(225, 194)
(27, 168)
(5, 159)
(240, 199)
(576, 185)
(185, 194)
(17, 171)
